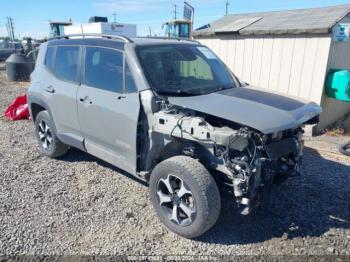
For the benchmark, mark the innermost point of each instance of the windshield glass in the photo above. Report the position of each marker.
(184, 69)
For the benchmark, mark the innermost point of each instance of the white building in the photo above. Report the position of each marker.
(286, 51)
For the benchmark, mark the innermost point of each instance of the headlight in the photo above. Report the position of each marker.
(265, 138)
(277, 135)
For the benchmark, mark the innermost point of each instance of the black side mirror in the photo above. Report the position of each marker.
(243, 84)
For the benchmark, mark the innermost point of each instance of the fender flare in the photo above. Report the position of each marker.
(36, 100)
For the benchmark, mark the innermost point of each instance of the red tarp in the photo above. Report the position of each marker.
(18, 109)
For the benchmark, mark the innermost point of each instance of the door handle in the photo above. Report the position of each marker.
(50, 89)
(86, 98)
(121, 97)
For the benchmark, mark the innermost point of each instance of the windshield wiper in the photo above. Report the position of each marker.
(224, 87)
(177, 93)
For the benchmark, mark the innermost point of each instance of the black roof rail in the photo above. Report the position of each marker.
(119, 37)
(170, 38)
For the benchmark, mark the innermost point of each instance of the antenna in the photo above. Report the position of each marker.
(227, 4)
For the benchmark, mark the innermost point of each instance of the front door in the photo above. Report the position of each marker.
(108, 115)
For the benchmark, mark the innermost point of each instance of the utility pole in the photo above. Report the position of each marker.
(8, 29)
(227, 4)
(175, 11)
(9, 25)
(115, 17)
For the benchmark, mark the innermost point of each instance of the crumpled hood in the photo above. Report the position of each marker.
(263, 111)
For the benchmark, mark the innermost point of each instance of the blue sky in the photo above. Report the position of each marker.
(31, 16)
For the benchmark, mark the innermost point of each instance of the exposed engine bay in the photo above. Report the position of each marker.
(249, 160)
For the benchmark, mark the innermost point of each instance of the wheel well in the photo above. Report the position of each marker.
(176, 148)
(36, 109)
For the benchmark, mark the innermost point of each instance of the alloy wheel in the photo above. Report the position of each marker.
(45, 135)
(176, 200)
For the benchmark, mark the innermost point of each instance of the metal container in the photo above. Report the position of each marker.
(19, 67)
(338, 85)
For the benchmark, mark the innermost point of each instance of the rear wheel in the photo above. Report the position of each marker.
(185, 196)
(49, 144)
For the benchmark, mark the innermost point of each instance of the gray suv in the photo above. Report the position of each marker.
(170, 113)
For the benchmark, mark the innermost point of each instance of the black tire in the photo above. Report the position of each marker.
(345, 149)
(205, 195)
(55, 148)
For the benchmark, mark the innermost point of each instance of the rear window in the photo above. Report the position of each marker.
(49, 58)
(66, 63)
(104, 69)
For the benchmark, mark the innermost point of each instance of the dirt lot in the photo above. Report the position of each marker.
(81, 205)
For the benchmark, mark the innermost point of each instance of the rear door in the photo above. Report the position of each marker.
(108, 114)
(60, 87)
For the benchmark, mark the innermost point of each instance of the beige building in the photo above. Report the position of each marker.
(286, 51)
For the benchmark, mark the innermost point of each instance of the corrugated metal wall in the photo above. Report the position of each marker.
(292, 64)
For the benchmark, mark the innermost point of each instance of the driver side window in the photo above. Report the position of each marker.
(104, 69)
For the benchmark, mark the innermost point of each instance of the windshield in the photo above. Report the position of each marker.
(179, 69)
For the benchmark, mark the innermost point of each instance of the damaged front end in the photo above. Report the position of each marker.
(256, 161)
(249, 160)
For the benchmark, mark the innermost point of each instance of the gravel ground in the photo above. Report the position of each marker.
(81, 205)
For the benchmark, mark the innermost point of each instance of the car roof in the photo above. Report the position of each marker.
(112, 43)
(160, 41)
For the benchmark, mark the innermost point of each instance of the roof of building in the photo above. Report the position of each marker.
(313, 21)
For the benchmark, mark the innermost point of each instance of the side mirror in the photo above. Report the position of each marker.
(243, 84)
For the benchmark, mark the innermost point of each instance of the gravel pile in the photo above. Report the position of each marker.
(81, 205)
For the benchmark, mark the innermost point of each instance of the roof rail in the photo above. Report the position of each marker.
(170, 38)
(119, 37)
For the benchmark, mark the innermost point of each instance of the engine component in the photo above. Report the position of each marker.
(249, 159)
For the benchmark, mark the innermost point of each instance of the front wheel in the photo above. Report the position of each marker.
(185, 196)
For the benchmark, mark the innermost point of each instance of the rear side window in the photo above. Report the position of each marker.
(66, 63)
(104, 69)
(129, 80)
(49, 58)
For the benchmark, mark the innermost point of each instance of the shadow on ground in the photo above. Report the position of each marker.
(75, 155)
(307, 205)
